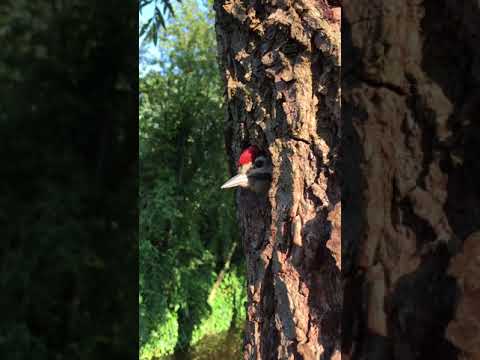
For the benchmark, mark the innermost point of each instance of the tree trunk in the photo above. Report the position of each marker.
(411, 135)
(281, 64)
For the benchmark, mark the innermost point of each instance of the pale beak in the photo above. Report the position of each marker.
(237, 180)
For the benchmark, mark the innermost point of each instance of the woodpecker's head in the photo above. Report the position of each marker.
(254, 171)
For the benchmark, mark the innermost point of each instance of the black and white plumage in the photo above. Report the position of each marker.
(254, 172)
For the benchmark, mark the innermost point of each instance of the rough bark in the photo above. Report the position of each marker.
(280, 60)
(410, 109)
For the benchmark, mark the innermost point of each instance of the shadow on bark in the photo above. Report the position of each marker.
(446, 65)
(254, 215)
(420, 308)
(353, 325)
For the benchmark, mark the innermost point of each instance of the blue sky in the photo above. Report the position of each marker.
(145, 15)
(146, 12)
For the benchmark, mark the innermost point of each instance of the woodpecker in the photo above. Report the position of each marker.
(254, 171)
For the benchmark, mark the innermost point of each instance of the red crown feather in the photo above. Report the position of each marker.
(248, 155)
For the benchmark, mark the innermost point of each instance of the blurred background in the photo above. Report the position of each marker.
(192, 283)
(68, 179)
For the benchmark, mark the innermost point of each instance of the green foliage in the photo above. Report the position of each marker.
(227, 307)
(187, 224)
(163, 339)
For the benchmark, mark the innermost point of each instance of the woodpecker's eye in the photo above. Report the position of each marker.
(259, 163)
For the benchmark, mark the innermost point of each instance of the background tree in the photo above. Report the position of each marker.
(280, 64)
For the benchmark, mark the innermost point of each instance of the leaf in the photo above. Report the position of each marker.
(158, 22)
(153, 25)
(168, 8)
(145, 26)
(144, 3)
